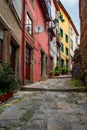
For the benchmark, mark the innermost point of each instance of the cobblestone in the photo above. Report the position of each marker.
(49, 110)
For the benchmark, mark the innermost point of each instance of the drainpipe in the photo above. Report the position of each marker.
(48, 51)
(59, 56)
(23, 40)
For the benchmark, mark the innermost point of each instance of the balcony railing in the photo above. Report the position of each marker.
(46, 9)
(52, 31)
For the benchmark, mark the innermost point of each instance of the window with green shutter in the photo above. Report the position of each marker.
(61, 32)
(67, 63)
(66, 38)
(62, 47)
(67, 52)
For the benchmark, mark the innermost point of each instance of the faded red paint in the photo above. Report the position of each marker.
(40, 41)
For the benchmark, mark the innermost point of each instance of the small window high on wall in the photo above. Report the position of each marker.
(29, 24)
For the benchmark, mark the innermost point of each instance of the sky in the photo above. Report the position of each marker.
(72, 7)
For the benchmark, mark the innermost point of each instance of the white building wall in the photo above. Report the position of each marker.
(53, 45)
(73, 37)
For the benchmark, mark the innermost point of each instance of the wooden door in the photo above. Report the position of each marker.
(12, 56)
(28, 58)
(51, 63)
(42, 63)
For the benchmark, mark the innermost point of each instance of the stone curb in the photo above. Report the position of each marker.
(55, 77)
(53, 90)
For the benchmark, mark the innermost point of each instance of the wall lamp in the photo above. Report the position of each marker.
(55, 21)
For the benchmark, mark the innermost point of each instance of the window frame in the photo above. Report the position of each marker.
(61, 32)
(67, 63)
(29, 24)
(66, 38)
(71, 42)
(62, 47)
(67, 51)
(76, 39)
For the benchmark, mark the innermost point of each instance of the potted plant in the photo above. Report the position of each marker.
(57, 72)
(51, 73)
(2, 96)
(64, 70)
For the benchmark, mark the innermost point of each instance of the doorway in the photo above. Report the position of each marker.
(42, 63)
(13, 49)
(28, 60)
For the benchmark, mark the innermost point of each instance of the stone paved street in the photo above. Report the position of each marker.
(45, 110)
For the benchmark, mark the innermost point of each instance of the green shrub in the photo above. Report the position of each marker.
(57, 72)
(63, 70)
(82, 76)
(52, 72)
(8, 82)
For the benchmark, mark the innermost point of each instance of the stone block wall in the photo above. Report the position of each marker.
(83, 39)
(12, 31)
(80, 57)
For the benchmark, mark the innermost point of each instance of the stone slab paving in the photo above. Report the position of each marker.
(46, 110)
(57, 83)
(50, 84)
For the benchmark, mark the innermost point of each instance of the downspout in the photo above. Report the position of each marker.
(23, 40)
(48, 51)
(69, 64)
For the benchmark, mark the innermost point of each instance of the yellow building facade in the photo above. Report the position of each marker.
(64, 36)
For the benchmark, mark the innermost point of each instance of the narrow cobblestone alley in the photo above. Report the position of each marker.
(45, 110)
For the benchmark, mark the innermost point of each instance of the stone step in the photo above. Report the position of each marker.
(53, 90)
(62, 76)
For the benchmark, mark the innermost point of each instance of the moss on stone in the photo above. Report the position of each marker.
(27, 116)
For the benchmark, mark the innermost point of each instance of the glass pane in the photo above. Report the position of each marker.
(29, 25)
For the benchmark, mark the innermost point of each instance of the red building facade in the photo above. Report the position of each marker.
(35, 45)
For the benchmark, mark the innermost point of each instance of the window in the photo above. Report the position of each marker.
(50, 38)
(44, 25)
(13, 55)
(71, 31)
(66, 38)
(62, 47)
(48, 3)
(61, 17)
(67, 51)
(27, 55)
(77, 40)
(62, 63)
(0, 49)
(67, 62)
(71, 41)
(61, 32)
(29, 25)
